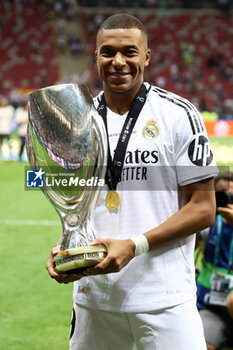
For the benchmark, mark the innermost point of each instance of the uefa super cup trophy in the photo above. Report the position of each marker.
(67, 141)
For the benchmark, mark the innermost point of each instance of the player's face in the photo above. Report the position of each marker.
(121, 57)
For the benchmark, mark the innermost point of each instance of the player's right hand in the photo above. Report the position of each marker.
(60, 277)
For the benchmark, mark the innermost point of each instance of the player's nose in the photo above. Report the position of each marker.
(119, 59)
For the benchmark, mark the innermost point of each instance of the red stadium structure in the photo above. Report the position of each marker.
(27, 47)
(192, 50)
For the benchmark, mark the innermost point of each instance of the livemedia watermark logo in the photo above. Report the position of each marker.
(35, 178)
(138, 177)
(42, 179)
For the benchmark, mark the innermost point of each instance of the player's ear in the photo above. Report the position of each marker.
(148, 57)
(96, 56)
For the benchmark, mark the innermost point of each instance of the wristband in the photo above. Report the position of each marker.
(141, 244)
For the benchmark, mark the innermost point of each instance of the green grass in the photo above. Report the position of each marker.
(222, 148)
(35, 310)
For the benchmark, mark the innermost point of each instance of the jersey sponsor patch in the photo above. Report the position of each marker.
(150, 131)
(199, 151)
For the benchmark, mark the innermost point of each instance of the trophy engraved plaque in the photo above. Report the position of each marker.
(67, 141)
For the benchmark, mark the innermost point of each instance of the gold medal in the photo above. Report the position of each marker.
(112, 200)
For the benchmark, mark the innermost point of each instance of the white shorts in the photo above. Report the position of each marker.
(174, 328)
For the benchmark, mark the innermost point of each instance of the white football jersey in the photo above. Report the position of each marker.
(168, 148)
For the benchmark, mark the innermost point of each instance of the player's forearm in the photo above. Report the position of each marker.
(190, 219)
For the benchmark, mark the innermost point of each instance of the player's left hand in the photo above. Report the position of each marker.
(119, 253)
(227, 213)
(60, 277)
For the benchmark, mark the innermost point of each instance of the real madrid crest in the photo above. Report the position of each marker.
(150, 131)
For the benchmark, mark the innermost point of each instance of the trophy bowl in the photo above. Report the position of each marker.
(67, 143)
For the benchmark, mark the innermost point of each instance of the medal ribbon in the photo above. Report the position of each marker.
(218, 238)
(217, 246)
(115, 165)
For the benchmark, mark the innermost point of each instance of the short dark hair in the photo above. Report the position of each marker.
(122, 21)
(226, 175)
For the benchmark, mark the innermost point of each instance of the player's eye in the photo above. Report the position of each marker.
(107, 53)
(131, 52)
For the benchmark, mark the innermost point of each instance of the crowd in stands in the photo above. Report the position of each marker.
(65, 6)
(224, 5)
(27, 48)
(66, 40)
(13, 126)
(192, 55)
(192, 52)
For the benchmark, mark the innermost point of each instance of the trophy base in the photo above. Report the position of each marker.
(78, 259)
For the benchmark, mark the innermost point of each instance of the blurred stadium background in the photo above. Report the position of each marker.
(49, 42)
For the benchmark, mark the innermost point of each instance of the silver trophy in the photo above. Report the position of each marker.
(67, 142)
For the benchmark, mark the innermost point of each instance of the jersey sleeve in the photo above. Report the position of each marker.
(194, 158)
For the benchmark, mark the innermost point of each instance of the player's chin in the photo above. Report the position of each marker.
(120, 85)
(120, 88)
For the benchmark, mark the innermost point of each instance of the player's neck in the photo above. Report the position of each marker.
(119, 103)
